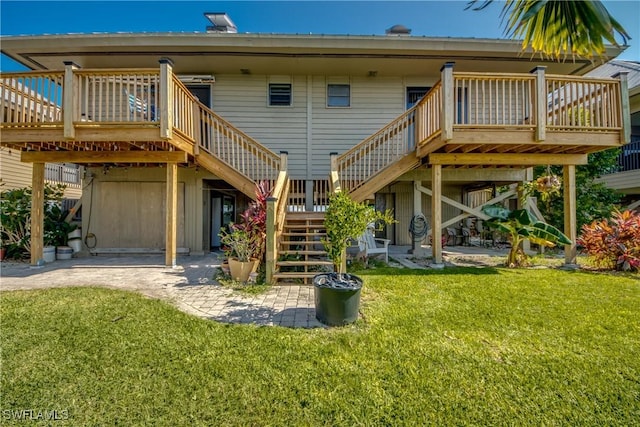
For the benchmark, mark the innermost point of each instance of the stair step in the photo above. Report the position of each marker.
(295, 275)
(300, 242)
(302, 263)
(306, 215)
(303, 234)
(293, 252)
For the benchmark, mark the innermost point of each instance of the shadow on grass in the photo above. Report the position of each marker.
(391, 271)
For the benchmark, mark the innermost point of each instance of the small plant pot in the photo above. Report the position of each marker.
(64, 252)
(337, 298)
(240, 270)
(49, 253)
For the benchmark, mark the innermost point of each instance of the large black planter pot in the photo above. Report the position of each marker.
(337, 301)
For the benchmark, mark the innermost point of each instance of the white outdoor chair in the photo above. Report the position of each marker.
(372, 246)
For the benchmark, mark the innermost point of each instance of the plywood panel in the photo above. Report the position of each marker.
(132, 214)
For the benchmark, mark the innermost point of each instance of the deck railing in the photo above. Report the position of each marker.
(116, 96)
(220, 138)
(504, 100)
(31, 99)
(583, 103)
(62, 174)
(629, 158)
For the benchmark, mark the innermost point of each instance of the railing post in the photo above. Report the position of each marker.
(448, 101)
(625, 132)
(540, 106)
(284, 161)
(334, 177)
(166, 98)
(69, 97)
(271, 239)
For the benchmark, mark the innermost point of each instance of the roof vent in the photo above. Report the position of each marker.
(221, 23)
(398, 30)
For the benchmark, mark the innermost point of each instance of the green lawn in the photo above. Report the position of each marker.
(461, 346)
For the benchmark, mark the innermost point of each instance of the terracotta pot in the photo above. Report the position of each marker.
(3, 253)
(240, 270)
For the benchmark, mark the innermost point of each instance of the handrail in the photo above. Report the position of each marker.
(276, 214)
(220, 138)
(400, 137)
(29, 98)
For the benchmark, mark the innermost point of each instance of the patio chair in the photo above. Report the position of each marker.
(373, 246)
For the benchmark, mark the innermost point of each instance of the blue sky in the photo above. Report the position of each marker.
(425, 18)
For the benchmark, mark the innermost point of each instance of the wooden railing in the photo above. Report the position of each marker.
(276, 216)
(220, 138)
(33, 98)
(504, 100)
(116, 96)
(583, 103)
(308, 195)
(62, 174)
(427, 114)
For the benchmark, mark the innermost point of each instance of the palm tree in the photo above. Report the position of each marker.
(557, 28)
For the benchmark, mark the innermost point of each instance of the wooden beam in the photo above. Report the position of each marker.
(570, 221)
(104, 156)
(625, 132)
(37, 213)
(166, 98)
(540, 105)
(436, 213)
(506, 159)
(448, 99)
(171, 215)
(70, 92)
(489, 135)
(271, 243)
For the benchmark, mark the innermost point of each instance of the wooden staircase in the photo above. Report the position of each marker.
(301, 253)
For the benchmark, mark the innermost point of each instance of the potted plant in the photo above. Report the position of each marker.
(240, 249)
(337, 294)
(521, 225)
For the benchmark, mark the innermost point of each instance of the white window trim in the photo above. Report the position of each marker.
(338, 83)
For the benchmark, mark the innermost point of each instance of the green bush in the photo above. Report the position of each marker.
(15, 215)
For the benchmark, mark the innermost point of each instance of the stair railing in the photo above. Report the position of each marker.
(276, 216)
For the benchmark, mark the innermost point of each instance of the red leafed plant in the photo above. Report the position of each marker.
(614, 243)
(254, 219)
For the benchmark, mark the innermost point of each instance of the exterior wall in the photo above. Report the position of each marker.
(15, 174)
(309, 130)
(125, 208)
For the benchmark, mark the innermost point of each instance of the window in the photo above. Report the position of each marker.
(279, 94)
(338, 95)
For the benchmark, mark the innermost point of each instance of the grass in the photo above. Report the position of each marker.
(463, 346)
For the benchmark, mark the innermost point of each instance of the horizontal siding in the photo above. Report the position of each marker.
(243, 100)
(403, 210)
(15, 174)
(374, 103)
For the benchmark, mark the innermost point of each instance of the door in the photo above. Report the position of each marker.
(414, 94)
(223, 211)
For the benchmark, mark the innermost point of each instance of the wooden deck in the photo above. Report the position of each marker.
(144, 117)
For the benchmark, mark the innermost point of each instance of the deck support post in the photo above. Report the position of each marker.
(69, 97)
(448, 100)
(436, 213)
(625, 111)
(540, 106)
(166, 98)
(570, 223)
(37, 213)
(523, 203)
(416, 248)
(171, 214)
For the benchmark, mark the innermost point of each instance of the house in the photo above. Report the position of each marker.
(175, 129)
(15, 174)
(627, 179)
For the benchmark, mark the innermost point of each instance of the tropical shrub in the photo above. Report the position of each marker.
(613, 243)
(15, 216)
(521, 225)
